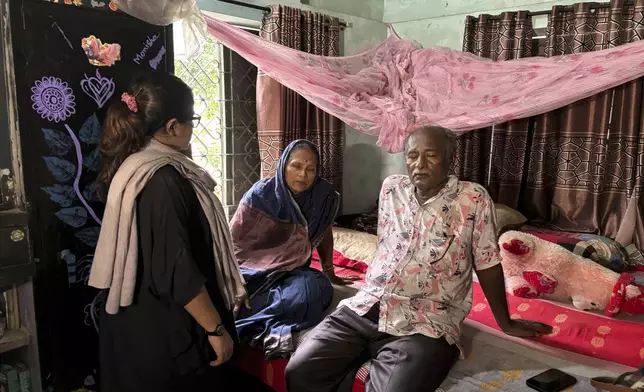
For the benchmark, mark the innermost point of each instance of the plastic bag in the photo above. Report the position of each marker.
(164, 13)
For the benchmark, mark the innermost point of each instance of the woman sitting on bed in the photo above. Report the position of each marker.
(278, 223)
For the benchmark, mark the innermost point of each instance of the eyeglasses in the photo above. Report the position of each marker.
(196, 120)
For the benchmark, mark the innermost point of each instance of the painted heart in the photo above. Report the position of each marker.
(99, 88)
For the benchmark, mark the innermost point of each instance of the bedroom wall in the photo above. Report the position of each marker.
(443, 24)
(362, 159)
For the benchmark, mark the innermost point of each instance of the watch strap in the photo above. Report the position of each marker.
(220, 330)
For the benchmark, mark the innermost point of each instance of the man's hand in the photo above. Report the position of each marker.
(341, 280)
(526, 328)
(493, 285)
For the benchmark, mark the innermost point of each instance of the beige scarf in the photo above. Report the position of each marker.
(116, 256)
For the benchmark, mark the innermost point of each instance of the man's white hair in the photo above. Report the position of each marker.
(448, 136)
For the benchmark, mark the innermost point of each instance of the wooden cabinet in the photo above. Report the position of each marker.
(16, 261)
(16, 256)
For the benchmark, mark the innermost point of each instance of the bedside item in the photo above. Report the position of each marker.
(627, 382)
(552, 380)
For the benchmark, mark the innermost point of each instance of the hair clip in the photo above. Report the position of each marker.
(130, 101)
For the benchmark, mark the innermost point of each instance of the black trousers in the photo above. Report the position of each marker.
(332, 352)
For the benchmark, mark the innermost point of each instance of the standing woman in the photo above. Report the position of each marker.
(164, 251)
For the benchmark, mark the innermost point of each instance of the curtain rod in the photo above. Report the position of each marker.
(263, 8)
(595, 6)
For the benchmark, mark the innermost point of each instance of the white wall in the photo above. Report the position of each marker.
(362, 158)
(443, 23)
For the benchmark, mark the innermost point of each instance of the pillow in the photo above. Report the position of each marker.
(601, 250)
(355, 245)
(508, 219)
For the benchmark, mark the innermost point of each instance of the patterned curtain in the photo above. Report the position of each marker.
(283, 115)
(495, 157)
(585, 159)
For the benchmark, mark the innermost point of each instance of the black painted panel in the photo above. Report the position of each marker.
(55, 136)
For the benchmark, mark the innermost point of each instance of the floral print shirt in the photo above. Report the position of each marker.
(422, 273)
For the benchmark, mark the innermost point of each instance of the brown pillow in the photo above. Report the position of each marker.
(508, 219)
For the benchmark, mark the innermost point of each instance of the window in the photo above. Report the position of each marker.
(539, 42)
(225, 142)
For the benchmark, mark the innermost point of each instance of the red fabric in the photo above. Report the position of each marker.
(617, 299)
(271, 373)
(633, 305)
(516, 247)
(347, 266)
(543, 283)
(525, 292)
(573, 330)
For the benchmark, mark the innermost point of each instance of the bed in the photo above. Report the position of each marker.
(583, 344)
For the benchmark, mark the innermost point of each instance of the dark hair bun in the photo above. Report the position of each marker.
(160, 97)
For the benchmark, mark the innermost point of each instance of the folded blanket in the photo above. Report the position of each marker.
(115, 259)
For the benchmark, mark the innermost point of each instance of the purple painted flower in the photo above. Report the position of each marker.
(53, 99)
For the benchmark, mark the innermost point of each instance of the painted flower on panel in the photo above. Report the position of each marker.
(53, 99)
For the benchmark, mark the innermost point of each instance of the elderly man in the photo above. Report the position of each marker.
(433, 230)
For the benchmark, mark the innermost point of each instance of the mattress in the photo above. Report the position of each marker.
(583, 344)
(574, 331)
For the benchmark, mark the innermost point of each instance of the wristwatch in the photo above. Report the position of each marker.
(219, 331)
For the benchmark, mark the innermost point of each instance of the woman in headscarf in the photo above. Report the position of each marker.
(277, 225)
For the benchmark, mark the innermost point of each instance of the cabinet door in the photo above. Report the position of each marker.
(7, 145)
(66, 80)
(16, 263)
(7, 171)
